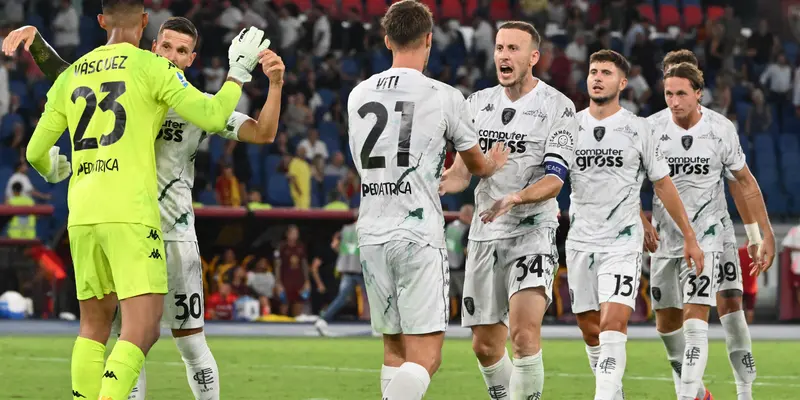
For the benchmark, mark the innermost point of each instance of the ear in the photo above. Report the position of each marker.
(429, 40)
(153, 47)
(101, 20)
(623, 83)
(535, 56)
(145, 19)
(386, 42)
(191, 59)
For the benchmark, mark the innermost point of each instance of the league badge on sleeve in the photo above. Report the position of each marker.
(181, 79)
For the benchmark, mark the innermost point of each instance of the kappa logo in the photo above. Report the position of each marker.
(568, 113)
(489, 108)
(76, 394)
(110, 374)
(664, 137)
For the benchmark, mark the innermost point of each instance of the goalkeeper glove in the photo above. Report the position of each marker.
(60, 168)
(243, 53)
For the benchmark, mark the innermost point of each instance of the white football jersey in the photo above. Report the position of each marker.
(698, 158)
(538, 127)
(729, 234)
(612, 157)
(176, 148)
(399, 124)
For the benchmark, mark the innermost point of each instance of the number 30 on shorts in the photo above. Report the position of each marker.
(194, 308)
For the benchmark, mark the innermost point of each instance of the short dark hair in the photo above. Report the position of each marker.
(687, 71)
(613, 57)
(407, 23)
(110, 6)
(16, 187)
(180, 25)
(536, 38)
(678, 56)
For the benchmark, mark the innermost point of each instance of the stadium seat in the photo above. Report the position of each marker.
(692, 16)
(788, 144)
(380, 62)
(329, 184)
(452, 9)
(432, 5)
(271, 163)
(329, 5)
(331, 141)
(303, 5)
(647, 11)
(349, 4)
(5, 175)
(376, 8)
(278, 194)
(714, 12)
(450, 202)
(470, 7)
(207, 198)
(316, 195)
(500, 10)
(350, 67)
(668, 14)
(777, 201)
(327, 96)
(790, 49)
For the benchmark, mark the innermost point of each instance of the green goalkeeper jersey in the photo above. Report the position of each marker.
(113, 101)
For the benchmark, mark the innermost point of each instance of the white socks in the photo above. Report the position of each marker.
(695, 357)
(410, 383)
(527, 378)
(498, 377)
(737, 340)
(140, 390)
(611, 366)
(387, 374)
(201, 367)
(593, 352)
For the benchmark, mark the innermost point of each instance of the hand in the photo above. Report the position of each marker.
(451, 183)
(24, 35)
(243, 53)
(693, 253)
(500, 207)
(60, 168)
(765, 255)
(321, 288)
(651, 238)
(499, 154)
(272, 65)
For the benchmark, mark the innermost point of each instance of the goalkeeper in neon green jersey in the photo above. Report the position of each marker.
(113, 101)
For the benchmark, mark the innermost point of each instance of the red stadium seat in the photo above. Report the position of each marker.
(692, 17)
(595, 12)
(329, 5)
(432, 5)
(303, 5)
(348, 4)
(669, 16)
(470, 6)
(500, 10)
(714, 12)
(451, 9)
(647, 11)
(376, 8)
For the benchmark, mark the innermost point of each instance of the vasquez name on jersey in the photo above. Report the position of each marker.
(176, 148)
(539, 127)
(698, 158)
(612, 157)
(399, 124)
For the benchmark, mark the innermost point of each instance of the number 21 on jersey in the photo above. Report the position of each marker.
(406, 108)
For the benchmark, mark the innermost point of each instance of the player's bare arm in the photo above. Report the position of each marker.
(750, 224)
(484, 166)
(315, 265)
(544, 189)
(456, 178)
(668, 193)
(264, 129)
(45, 56)
(751, 194)
(650, 234)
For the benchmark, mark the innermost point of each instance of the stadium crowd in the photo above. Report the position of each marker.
(328, 47)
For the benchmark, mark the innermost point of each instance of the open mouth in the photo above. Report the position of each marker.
(506, 71)
(597, 88)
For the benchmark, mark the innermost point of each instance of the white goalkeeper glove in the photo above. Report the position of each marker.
(60, 168)
(243, 53)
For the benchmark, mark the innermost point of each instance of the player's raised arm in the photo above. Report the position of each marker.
(45, 56)
(41, 153)
(210, 114)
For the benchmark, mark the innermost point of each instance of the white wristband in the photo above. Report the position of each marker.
(753, 233)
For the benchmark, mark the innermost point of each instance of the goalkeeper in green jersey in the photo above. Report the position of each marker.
(113, 101)
(176, 146)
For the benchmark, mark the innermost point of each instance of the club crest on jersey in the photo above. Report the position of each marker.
(508, 115)
(687, 141)
(599, 132)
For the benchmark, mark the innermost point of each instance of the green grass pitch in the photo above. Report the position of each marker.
(313, 368)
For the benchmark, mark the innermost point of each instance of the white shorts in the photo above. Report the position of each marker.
(184, 306)
(407, 287)
(596, 278)
(498, 269)
(673, 284)
(729, 276)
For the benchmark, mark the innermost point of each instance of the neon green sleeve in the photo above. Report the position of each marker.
(51, 125)
(172, 88)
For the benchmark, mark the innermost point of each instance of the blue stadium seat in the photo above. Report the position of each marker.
(278, 191)
(380, 62)
(332, 142)
(8, 122)
(20, 88)
(777, 201)
(254, 157)
(790, 48)
(5, 174)
(329, 184)
(327, 128)
(271, 163)
(450, 202)
(350, 67)
(355, 202)
(207, 198)
(742, 108)
(764, 147)
(316, 195)
(327, 97)
(740, 93)
(788, 143)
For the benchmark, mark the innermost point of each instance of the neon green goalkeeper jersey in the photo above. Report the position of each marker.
(113, 101)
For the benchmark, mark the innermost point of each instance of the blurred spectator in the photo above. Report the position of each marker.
(715, 51)
(312, 146)
(227, 188)
(628, 101)
(21, 226)
(298, 116)
(292, 273)
(158, 14)
(215, 75)
(299, 174)
(5, 95)
(236, 152)
(65, 27)
(238, 281)
(251, 17)
(350, 185)
(231, 18)
(576, 51)
(777, 78)
(291, 28)
(602, 41)
(14, 12)
(318, 174)
(220, 305)
(760, 46)
(723, 100)
(759, 117)
(483, 40)
(749, 284)
(255, 202)
(338, 115)
(281, 145)
(354, 32)
(329, 75)
(557, 12)
(18, 140)
(792, 243)
(560, 69)
(576, 23)
(640, 27)
(348, 265)
(644, 54)
(262, 282)
(337, 166)
(20, 176)
(321, 38)
(638, 85)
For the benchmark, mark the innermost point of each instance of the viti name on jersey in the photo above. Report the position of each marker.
(385, 189)
(598, 158)
(171, 131)
(688, 165)
(514, 141)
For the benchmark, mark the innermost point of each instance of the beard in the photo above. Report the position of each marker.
(517, 80)
(603, 100)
